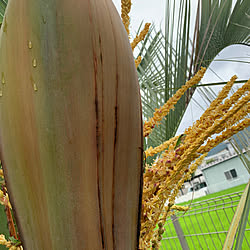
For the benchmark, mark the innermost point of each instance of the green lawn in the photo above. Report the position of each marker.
(223, 192)
(200, 219)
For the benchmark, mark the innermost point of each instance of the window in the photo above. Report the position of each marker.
(203, 184)
(231, 174)
(228, 176)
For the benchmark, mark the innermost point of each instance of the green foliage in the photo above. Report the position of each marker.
(3, 4)
(210, 161)
(179, 141)
(3, 225)
(14, 241)
(3, 219)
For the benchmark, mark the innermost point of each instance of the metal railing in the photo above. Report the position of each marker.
(204, 226)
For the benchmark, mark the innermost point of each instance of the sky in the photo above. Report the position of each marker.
(153, 11)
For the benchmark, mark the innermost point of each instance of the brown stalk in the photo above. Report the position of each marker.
(10, 220)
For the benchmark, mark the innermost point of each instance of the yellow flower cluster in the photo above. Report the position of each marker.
(141, 36)
(152, 151)
(126, 7)
(164, 110)
(158, 190)
(9, 244)
(165, 177)
(2, 239)
(160, 232)
(4, 199)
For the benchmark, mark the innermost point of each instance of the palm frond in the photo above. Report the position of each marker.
(221, 25)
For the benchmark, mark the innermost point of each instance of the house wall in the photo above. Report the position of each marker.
(216, 179)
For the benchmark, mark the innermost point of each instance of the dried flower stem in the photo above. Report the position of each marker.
(8, 213)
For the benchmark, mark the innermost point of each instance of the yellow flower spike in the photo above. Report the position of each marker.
(138, 61)
(164, 110)
(217, 110)
(221, 96)
(238, 94)
(141, 36)
(235, 118)
(126, 8)
(224, 136)
(180, 208)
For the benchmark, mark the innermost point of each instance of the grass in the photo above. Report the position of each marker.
(207, 221)
(201, 220)
(220, 193)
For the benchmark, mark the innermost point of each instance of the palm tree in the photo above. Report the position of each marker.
(173, 56)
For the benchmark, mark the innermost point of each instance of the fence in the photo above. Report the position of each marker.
(205, 225)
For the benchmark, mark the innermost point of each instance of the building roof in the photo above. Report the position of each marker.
(223, 145)
(217, 149)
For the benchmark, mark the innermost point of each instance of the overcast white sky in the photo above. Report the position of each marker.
(153, 11)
